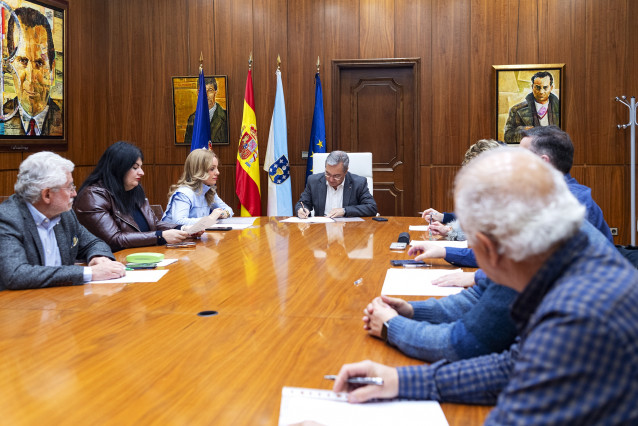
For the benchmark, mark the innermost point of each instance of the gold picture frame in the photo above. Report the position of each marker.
(517, 97)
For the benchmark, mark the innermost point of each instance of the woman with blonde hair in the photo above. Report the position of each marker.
(194, 196)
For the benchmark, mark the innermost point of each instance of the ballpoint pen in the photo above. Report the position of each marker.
(378, 381)
(429, 227)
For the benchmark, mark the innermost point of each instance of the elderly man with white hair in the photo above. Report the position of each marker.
(41, 238)
(576, 358)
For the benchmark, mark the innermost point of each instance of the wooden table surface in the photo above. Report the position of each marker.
(288, 313)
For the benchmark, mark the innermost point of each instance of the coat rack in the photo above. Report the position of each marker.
(632, 125)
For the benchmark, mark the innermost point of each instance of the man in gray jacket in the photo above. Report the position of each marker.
(337, 192)
(41, 238)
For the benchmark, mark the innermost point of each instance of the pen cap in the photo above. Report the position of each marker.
(404, 237)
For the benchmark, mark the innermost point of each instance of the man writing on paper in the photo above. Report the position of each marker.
(337, 192)
(41, 238)
(576, 359)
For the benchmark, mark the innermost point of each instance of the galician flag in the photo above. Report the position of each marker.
(318, 131)
(201, 126)
(276, 161)
(247, 168)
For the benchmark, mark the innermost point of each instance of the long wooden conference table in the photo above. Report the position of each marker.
(288, 313)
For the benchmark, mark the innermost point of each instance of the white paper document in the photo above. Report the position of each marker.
(328, 408)
(166, 262)
(443, 243)
(423, 228)
(348, 219)
(219, 225)
(237, 221)
(202, 224)
(417, 282)
(311, 219)
(140, 276)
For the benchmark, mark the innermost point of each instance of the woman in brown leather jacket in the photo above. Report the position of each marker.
(112, 205)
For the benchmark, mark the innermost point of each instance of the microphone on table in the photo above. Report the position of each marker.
(404, 237)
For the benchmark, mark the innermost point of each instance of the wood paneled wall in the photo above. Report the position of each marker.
(123, 53)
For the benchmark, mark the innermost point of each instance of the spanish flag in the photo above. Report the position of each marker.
(247, 169)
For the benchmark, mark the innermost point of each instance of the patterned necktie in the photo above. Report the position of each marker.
(31, 131)
(542, 111)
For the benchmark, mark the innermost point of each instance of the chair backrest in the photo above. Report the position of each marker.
(360, 164)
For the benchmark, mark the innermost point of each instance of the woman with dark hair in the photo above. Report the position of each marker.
(112, 205)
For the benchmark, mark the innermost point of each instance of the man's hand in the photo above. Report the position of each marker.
(457, 279)
(303, 213)
(434, 214)
(426, 250)
(438, 228)
(337, 212)
(174, 236)
(375, 314)
(103, 268)
(401, 306)
(389, 389)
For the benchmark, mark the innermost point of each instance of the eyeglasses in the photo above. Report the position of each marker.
(70, 188)
(335, 177)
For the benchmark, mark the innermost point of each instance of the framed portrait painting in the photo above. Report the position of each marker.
(32, 82)
(527, 96)
(185, 101)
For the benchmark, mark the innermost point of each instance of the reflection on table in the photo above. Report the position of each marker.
(288, 313)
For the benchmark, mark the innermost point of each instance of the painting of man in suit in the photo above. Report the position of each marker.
(540, 107)
(216, 114)
(32, 62)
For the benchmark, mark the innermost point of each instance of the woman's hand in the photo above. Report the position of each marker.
(174, 236)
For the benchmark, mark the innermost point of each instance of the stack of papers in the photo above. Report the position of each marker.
(442, 243)
(417, 282)
(329, 408)
(311, 219)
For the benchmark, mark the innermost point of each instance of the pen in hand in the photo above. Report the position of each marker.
(378, 381)
(305, 211)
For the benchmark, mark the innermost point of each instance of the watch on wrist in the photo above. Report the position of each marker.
(384, 331)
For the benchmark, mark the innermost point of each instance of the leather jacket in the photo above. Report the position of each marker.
(96, 210)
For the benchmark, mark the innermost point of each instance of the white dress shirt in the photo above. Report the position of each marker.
(334, 197)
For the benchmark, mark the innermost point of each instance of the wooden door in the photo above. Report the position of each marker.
(375, 109)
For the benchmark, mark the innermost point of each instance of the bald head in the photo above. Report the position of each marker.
(517, 200)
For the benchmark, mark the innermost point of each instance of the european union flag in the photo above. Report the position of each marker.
(201, 126)
(318, 132)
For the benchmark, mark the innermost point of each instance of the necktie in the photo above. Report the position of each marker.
(31, 131)
(542, 111)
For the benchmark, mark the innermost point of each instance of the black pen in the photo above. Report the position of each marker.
(359, 380)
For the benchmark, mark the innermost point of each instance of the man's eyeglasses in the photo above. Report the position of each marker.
(70, 188)
(335, 177)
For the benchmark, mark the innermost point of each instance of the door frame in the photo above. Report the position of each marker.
(339, 65)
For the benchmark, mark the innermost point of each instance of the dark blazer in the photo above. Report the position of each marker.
(22, 260)
(357, 199)
(96, 210)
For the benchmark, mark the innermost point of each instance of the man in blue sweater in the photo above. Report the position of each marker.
(575, 360)
(554, 146)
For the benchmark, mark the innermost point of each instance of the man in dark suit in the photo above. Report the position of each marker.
(216, 114)
(337, 192)
(41, 238)
(32, 111)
